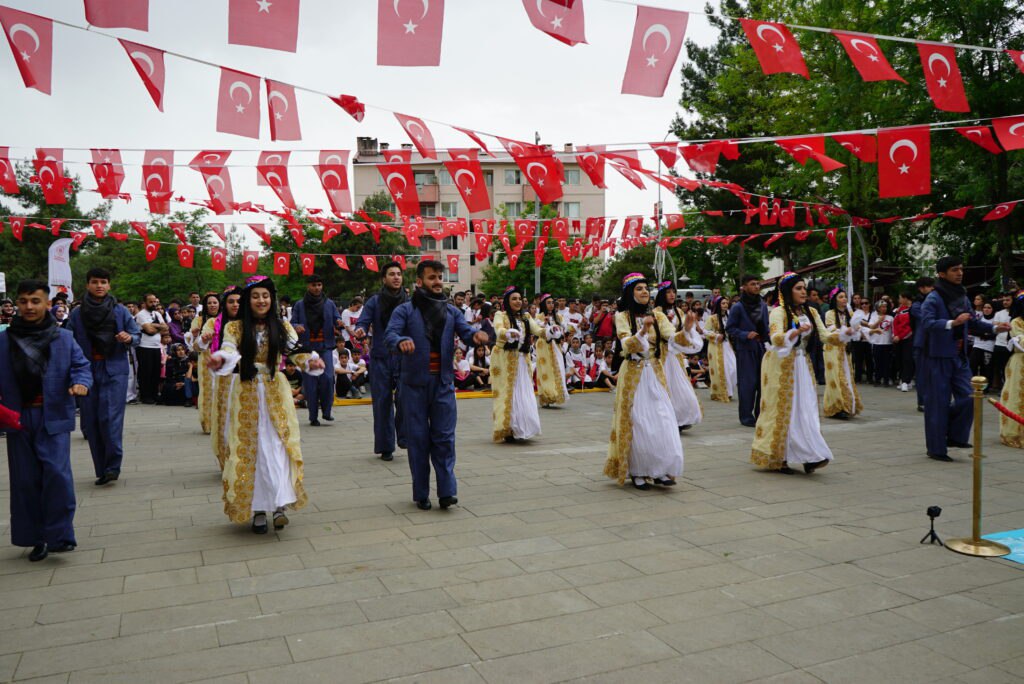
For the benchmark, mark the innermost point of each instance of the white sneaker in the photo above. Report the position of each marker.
(904, 387)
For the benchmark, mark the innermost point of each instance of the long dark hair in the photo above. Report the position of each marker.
(661, 300)
(554, 311)
(842, 314)
(635, 309)
(791, 309)
(276, 336)
(205, 312)
(517, 318)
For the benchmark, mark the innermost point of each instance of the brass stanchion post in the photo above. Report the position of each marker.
(976, 546)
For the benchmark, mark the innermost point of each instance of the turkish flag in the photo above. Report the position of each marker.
(524, 231)
(1018, 58)
(412, 229)
(630, 175)
(543, 174)
(333, 174)
(50, 171)
(250, 261)
(941, 73)
(186, 255)
(31, 40)
(108, 172)
(238, 103)
(370, 262)
(483, 234)
(591, 161)
(151, 250)
(668, 152)
(703, 157)
(282, 263)
(981, 136)
(1000, 211)
(133, 14)
(468, 176)
(331, 231)
(419, 135)
(157, 175)
(341, 261)
(356, 227)
(179, 231)
(860, 145)
(297, 233)
(1010, 130)
(77, 238)
(8, 181)
(142, 228)
(260, 230)
(958, 213)
(475, 138)
(218, 230)
(272, 170)
(775, 47)
(560, 19)
(217, 178)
(149, 63)
(308, 262)
(867, 57)
(352, 105)
(904, 162)
(99, 228)
(55, 225)
(453, 263)
(657, 38)
(263, 24)
(409, 33)
(632, 227)
(802, 149)
(282, 111)
(399, 180)
(17, 226)
(218, 258)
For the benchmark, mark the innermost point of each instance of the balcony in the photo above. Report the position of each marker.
(428, 193)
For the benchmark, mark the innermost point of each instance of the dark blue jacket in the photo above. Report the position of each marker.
(407, 324)
(117, 363)
(740, 325)
(67, 366)
(942, 343)
(372, 316)
(915, 323)
(332, 317)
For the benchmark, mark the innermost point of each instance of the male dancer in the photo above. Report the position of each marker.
(748, 329)
(947, 317)
(314, 318)
(924, 286)
(424, 331)
(106, 332)
(387, 415)
(42, 370)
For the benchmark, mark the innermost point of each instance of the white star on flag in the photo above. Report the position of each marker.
(904, 169)
(410, 27)
(942, 83)
(873, 58)
(652, 60)
(778, 47)
(240, 109)
(264, 6)
(556, 23)
(25, 56)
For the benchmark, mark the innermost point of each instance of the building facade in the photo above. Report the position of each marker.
(507, 188)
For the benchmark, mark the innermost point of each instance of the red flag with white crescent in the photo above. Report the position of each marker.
(561, 19)
(543, 173)
(17, 226)
(308, 262)
(331, 231)
(658, 36)
(31, 40)
(904, 162)
(352, 105)
(99, 228)
(55, 225)
(775, 47)
(960, 213)
(1010, 130)
(250, 261)
(272, 170)
(8, 180)
(333, 174)
(413, 230)
(260, 230)
(370, 262)
(282, 263)
(186, 255)
(218, 258)
(149, 63)
(475, 138)
(802, 149)
(179, 232)
(1018, 58)
(50, 172)
(483, 230)
(668, 152)
(703, 157)
(419, 134)
(400, 182)
(453, 263)
(341, 261)
(157, 176)
(774, 238)
(860, 145)
(282, 111)
(981, 136)
(218, 230)
(133, 14)
(942, 74)
(630, 175)
(141, 228)
(77, 238)
(409, 33)
(264, 24)
(1000, 211)
(867, 57)
(238, 103)
(591, 162)
(108, 172)
(468, 176)
(399, 259)
(152, 249)
(217, 178)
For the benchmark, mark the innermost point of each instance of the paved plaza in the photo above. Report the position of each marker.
(545, 572)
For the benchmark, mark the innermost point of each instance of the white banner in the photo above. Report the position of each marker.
(60, 267)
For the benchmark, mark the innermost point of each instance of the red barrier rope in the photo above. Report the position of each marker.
(1007, 412)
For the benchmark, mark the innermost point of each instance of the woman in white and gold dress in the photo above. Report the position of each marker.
(788, 430)
(551, 386)
(206, 400)
(210, 340)
(644, 445)
(514, 411)
(263, 471)
(1011, 433)
(673, 356)
(842, 400)
(721, 357)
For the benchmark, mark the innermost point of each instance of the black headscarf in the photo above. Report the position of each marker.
(515, 319)
(752, 305)
(634, 309)
(792, 310)
(30, 351)
(842, 314)
(434, 310)
(100, 323)
(389, 301)
(278, 343)
(314, 311)
(1017, 307)
(955, 297)
(661, 300)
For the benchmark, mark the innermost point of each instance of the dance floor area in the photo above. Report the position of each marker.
(545, 571)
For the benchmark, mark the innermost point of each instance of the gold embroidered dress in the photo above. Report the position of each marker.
(263, 469)
(205, 400)
(721, 362)
(788, 429)
(840, 389)
(551, 387)
(644, 440)
(514, 411)
(220, 401)
(1011, 433)
(685, 403)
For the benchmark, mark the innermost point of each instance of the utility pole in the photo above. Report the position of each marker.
(537, 234)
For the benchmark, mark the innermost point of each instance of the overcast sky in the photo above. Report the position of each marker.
(498, 74)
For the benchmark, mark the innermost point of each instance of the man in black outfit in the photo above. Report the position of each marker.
(748, 330)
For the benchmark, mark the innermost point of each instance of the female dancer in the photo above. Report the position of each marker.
(551, 386)
(514, 412)
(210, 309)
(210, 341)
(673, 356)
(721, 357)
(788, 430)
(263, 472)
(842, 399)
(1011, 433)
(644, 443)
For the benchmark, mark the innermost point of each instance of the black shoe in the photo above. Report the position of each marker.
(842, 415)
(280, 520)
(112, 476)
(446, 501)
(664, 482)
(315, 422)
(809, 468)
(509, 439)
(785, 470)
(424, 505)
(941, 457)
(257, 526)
(643, 486)
(920, 409)
(103, 479)
(401, 445)
(64, 547)
(959, 445)
(329, 419)
(387, 456)
(684, 427)
(39, 552)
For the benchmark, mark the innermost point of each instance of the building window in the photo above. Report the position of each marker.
(571, 209)
(450, 243)
(425, 178)
(428, 244)
(428, 209)
(449, 277)
(444, 177)
(572, 176)
(449, 209)
(513, 209)
(489, 178)
(513, 177)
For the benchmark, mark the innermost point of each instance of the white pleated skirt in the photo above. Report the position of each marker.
(680, 389)
(525, 421)
(656, 450)
(804, 443)
(272, 484)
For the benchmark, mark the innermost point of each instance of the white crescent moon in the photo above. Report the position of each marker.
(281, 261)
(270, 175)
(328, 158)
(210, 179)
(936, 57)
(280, 96)
(847, 145)
(1002, 209)
(249, 258)
(387, 181)
(426, 7)
(589, 155)
(46, 169)
(151, 248)
(909, 144)
(243, 86)
(513, 145)
(855, 41)
(1012, 130)
(267, 160)
(394, 159)
(22, 28)
(662, 30)
(540, 8)
(410, 124)
(158, 177)
(768, 27)
(50, 157)
(975, 131)
(532, 164)
(215, 158)
(467, 172)
(466, 156)
(158, 161)
(327, 174)
(143, 58)
(803, 147)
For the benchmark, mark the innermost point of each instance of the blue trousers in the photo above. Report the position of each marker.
(103, 418)
(948, 404)
(429, 416)
(42, 487)
(748, 381)
(319, 390)
(918, 377)
(387, 409)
